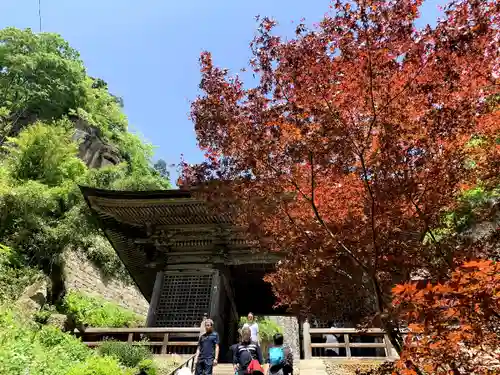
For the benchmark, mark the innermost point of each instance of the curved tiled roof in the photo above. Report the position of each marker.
(166, 223)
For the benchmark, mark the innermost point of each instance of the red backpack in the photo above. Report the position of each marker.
(255, 368)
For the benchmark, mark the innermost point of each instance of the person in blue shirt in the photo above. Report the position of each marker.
(207, 353)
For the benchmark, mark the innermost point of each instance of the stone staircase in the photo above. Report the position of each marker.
(224, 369)
(312, 367)
(305, 367)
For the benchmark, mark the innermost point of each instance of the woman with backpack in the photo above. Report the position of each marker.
(247, 357)
(280, 357)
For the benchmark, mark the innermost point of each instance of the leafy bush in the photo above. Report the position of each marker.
(148, 366)
(42, 316)
(97, 312)
(100, 366)
(26, 348)
(129, 355)
(267, 328)
(14, 276)
(52, 337)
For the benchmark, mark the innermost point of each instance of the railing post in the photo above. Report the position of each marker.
(130, 338)
(388, 346)
(165, 344)
(347, 346)
(306, 340)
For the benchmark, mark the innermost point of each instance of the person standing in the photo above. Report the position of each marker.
(253, 326)
(207, 353)
(202, 325)
(247, 355)
(331, 339)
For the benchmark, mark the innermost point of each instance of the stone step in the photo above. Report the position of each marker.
(312, 367)
(224, 369)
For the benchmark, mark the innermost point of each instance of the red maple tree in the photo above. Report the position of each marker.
(351, 146)
(454, 325)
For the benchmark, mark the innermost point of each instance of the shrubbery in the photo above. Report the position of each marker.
(128, 355)
(100, 366)
(267, 328)
(14, 275)
(28, 348)
(96, 312)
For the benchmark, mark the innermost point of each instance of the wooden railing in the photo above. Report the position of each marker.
(161, 340)
(381, 347)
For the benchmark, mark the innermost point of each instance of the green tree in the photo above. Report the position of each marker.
(39, 194)
(41, 76)
(44, 90)
(161, 167)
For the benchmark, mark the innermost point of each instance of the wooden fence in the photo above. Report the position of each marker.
(381, 345)
(161, 340)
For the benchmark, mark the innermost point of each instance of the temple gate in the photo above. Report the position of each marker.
(185, 259)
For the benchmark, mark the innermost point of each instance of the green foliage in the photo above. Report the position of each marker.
(42, 316)
(39, 192)
(267, 327)
(14, 275)
(100, 366)
(52, 337)
(43, 90)
(127, 354)
(96, 312)
(27, 348)
(40, 74)
(45, 153)
(102, 255)
(470, 203)
(148, 366)
(102, 110)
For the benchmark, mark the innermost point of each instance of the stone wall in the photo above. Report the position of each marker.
(83, 276)
(291, 336)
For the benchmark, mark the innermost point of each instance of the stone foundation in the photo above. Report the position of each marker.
(82, 275)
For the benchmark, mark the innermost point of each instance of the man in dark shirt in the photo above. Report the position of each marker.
(207, 353)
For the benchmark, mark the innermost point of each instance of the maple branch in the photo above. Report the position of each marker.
(372, 275)
(332, 113)
(424, 218)
(372, 213)
(320, 218)
(370, 78)
(294, 223)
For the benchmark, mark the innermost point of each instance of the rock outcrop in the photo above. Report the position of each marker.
(33, 298)
(94, 152)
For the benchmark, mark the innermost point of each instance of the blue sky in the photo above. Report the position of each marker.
(148, 50)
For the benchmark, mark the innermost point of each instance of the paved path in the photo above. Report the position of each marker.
(224, 369)
(312, 367)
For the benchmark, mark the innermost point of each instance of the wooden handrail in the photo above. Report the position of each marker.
(367, 331)
(163, 336)
(347, 344)
(194, 330)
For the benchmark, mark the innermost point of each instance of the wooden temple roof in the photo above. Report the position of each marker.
(150, 229)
